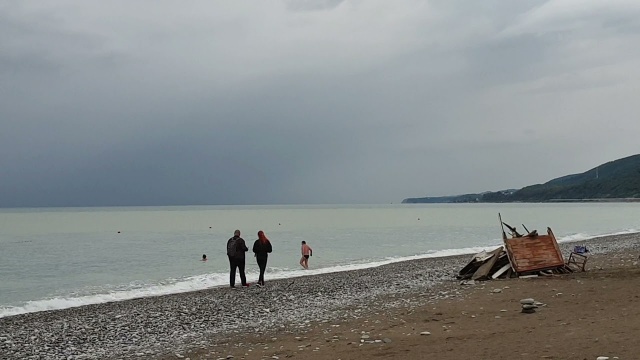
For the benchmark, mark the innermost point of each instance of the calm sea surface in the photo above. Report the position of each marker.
(63, 257)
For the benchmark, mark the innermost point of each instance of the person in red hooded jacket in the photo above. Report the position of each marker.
(262, 248)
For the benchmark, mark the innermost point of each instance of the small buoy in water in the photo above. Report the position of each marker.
(278, 223)
(418, 218)
(209, 227)
(118, 232)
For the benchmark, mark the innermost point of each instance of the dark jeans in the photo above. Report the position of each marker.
(262, 264)
(233, 264)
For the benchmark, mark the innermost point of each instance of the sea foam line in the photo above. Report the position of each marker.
(206, 281)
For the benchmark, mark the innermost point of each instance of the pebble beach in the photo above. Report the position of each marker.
(177, 325)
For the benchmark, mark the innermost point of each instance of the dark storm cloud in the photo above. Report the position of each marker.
(119, 103)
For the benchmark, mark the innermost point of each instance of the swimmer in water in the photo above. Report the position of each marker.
(306, 252)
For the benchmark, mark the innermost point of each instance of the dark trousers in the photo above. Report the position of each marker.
(233, 264)
(262, 264)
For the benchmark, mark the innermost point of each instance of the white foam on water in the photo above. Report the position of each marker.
(376, 263)
(192, 283)
(583, 236)
(205, 281)
(573, 237)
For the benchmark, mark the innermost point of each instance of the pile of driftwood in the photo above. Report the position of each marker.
(487, 265)
(521, 256)
(495, 265)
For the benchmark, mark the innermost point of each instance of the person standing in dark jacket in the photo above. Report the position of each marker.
(262, 248)
(236, 247)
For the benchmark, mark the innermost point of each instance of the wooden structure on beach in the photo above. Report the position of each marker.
(533, 252)
(522, 255)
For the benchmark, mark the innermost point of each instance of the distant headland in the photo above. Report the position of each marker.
(614, 181)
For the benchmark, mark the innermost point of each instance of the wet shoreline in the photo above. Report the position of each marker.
(172, 324)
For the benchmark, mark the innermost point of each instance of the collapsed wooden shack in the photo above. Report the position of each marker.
(527, 254)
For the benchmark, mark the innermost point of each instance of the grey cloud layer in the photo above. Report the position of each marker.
(149, 103)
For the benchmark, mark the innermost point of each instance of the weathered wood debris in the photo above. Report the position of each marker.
(487, 265)
(523, 255)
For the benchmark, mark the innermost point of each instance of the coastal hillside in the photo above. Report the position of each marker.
(614, 180)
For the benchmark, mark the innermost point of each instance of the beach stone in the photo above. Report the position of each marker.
(527, 301)
(386, 340)
(147, 322)
(529, 306)
(602, 358)
(425, 333)
(365, 336)
(528, 311)
(497, 291)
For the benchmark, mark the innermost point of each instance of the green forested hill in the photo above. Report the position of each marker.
(619, 179)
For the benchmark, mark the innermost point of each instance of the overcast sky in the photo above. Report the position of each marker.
(316, 101)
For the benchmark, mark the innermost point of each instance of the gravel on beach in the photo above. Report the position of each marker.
(175, 324)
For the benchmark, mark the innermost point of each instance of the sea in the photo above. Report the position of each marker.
(55, 258)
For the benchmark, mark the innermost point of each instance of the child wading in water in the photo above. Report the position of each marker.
(306, 252)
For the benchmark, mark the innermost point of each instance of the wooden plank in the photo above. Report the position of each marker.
(510, 273)
(534, 253)
(555, 243)
(473, 265)
(484, 269)
(467, 269)
(501, 271)
(527, 276)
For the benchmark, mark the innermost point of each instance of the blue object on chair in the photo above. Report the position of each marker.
(579, 249)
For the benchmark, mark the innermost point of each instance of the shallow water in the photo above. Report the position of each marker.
(62, 257)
